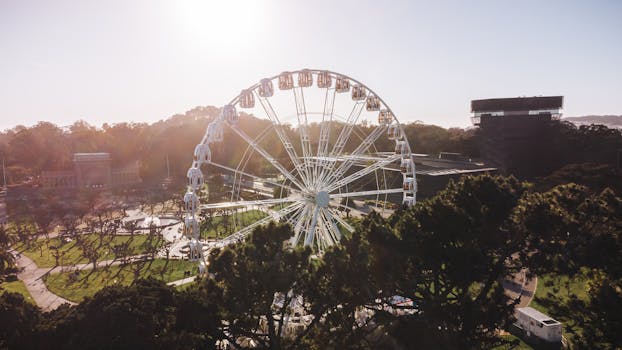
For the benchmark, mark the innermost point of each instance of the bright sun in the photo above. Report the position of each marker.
(220, 22)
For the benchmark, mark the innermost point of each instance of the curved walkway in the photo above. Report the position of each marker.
(32, 276)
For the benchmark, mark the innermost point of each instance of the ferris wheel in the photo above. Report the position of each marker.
(308, 147)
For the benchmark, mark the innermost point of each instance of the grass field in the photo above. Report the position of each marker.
(279, 206)
(553, 297)
(42, 253)
(519, 344)
(223, 226)
(16, 287)
(76, 286)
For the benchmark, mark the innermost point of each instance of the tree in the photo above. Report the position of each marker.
(256, 283)
(449, 256)
(18, 319)
(146, 315)
(7, 261)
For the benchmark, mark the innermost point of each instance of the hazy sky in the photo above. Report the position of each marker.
(113, 61)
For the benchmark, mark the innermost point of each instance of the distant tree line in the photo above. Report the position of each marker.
(30, 150)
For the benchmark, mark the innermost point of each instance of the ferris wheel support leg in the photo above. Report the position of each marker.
(311, 232)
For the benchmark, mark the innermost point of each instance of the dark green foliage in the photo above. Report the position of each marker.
(18, 319)
(447, 255)
(147, 315)
(246, 280)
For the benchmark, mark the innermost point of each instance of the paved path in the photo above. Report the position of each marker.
(182, 281)
(519, 286)
(32, 275)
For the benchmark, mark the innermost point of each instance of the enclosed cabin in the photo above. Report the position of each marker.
(409, 200)
(266, 89)
(324, 80)
(191, 201)
(247, 99)
(196, 248)
(195, 177)
(191, 226)
(385, 117)
(286, 81)
(401, 148)
(230, 114)
(406, 166)
(536, 324)
(394, 132)
(305, 78)
(372, 104)
(342, 84)
(202, 154)
(409, 184)
(214, 132)
(358, 92)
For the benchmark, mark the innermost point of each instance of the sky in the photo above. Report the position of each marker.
(145, 60)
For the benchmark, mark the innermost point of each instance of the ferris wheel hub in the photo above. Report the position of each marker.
(322, 199)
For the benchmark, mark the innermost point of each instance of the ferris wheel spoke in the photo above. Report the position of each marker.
(344, 136)
(365, 171)
(322, 238)
(278, 128)
(325, 126)
(303, 129)
(248, 153)
(331, 226)
(248, 229)
(267, 156)
(261, 202)
(293, 218)
(367, 193)
(341, 221)
(362, 148)
(301, 221)
(236, 171)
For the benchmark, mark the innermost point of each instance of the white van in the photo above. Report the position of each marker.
(539, 325)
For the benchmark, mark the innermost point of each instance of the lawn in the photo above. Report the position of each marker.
(518, 344)
(76, 286)
(554, 296)
(43, 253)
(279, 206)
(16, 287)
(223, 226)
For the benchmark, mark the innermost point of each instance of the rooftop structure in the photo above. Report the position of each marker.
(91, 157)
(514, 132)
(541, 106)
(434, 172)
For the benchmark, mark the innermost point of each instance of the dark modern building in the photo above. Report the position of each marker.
(435, 171)
(513, 132)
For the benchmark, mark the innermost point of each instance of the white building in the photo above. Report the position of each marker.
(539, 325)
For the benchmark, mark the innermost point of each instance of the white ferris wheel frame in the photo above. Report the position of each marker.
(310, 205)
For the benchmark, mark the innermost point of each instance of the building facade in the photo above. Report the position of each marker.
(513, 132)
(92, 170)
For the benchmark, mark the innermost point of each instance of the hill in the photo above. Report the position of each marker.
(611, 121)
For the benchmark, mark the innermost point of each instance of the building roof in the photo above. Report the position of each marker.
(537, 315)
(89, 157)
(517, 104)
